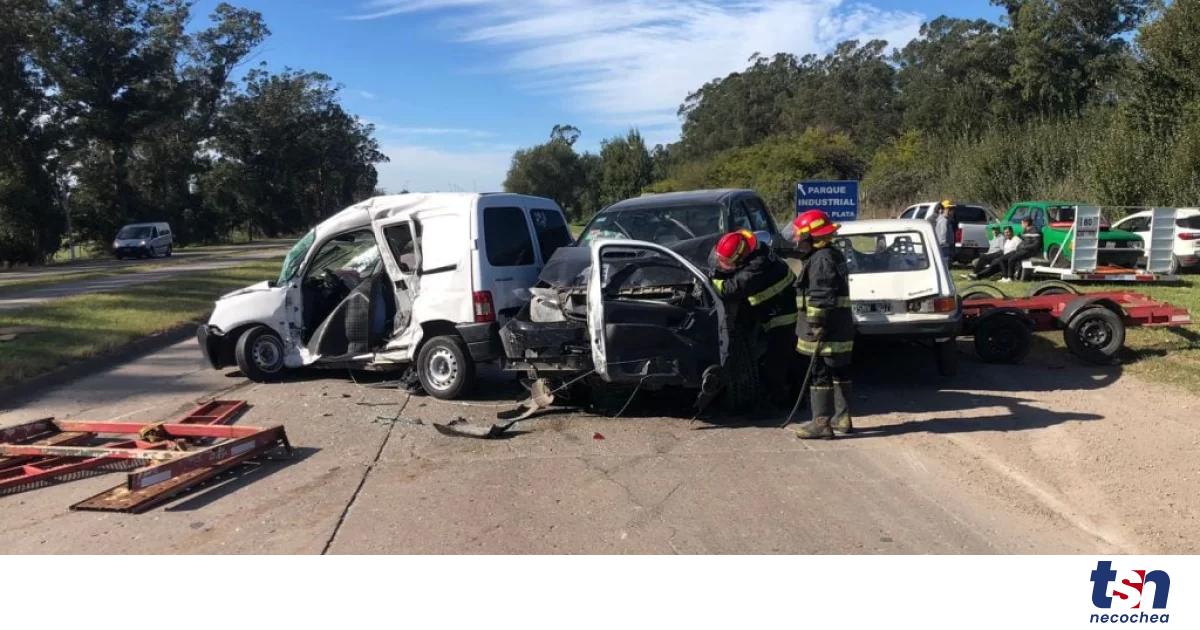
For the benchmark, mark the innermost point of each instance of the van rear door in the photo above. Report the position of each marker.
(508, 257)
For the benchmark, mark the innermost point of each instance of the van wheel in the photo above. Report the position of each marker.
(947, 357)
(445, 368)
(168, 252)
(259, 354)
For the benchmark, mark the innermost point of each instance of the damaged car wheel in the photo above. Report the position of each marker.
(444, 367)
(259, 354)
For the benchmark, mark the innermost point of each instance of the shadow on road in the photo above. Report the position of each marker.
(238, 478)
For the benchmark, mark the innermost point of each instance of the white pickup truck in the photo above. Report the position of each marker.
(973, 219)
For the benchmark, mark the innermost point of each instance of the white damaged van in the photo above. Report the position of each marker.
(421, 280)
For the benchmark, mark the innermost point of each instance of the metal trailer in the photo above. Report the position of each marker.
(1084, 266)
(1093, 324)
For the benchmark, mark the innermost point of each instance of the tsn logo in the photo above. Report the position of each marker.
(1127, 590)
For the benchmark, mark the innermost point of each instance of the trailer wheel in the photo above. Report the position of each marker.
(1095, 334)
(982, 290)
(947, 357)
(1053, 287)
(445, 367)
(1002, 339)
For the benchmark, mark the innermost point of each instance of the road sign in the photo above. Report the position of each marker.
(838, 198)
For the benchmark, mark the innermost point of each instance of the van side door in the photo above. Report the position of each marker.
(401, 255)
(508, 257)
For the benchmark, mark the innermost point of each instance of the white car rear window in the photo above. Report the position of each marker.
(882, 252)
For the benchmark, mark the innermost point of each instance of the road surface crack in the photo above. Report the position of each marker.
(362, 482)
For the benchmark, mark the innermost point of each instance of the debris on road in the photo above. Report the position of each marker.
(178, 455)
(459, 427)
(540, 399)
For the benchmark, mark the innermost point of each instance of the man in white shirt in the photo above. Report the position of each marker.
(994, 251)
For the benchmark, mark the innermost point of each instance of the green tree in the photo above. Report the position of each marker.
(31, 221)
(955, 76)
(1070, 53)
(554, 170)
(113, 64)
(290, 153)
(1168, 77)
(625, 166)
(853, 89)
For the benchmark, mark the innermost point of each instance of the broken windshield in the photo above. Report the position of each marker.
(661, 225)
(295, 256)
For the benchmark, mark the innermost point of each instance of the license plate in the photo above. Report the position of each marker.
(867, 308)
(1110, 245)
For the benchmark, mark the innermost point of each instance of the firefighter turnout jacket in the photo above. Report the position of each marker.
(765, 282)
(823, 301)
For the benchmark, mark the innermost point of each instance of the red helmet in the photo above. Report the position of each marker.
(734, 246)
(814, 222)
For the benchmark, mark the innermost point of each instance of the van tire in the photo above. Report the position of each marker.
(259, 353)
(168, 254)
(445, 367)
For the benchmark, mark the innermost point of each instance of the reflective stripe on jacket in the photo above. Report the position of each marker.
(766, 283)
(823, 293)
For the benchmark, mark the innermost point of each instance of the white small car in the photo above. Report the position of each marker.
(1187, 235)
(432, 298)
(900, 286)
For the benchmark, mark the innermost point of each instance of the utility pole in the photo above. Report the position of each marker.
(66, 204)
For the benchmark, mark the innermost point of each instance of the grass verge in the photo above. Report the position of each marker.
(98, 323)
(1163, 355)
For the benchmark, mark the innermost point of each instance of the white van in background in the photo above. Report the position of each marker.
(144, 240)
(393, 281)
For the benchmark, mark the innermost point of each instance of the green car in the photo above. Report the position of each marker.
(1055, 218)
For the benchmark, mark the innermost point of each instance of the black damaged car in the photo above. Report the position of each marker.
(631, 303)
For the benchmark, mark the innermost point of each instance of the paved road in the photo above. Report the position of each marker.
(1053, 457)
(61, 283)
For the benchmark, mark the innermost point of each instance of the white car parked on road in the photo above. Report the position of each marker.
(900, 287)
(1187, 235)
(432, 297)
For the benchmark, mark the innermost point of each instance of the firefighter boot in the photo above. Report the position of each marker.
(822, 409)
(842, 394)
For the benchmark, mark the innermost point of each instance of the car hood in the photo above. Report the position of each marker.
(265, 285)
(569, 266)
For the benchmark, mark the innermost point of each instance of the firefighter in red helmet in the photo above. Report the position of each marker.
(824, 324)
(748, 273)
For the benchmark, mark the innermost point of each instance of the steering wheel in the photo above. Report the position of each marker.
(330, 280)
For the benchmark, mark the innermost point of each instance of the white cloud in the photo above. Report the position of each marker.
(370, 96)
(426, 169)
(388, 129)
(636, 60)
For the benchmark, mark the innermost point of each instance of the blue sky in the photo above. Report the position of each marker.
(454, 86)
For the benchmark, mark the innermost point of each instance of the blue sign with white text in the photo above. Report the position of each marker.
(838, 198)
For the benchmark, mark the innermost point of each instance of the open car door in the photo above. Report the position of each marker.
(652, 316)
(400, 240)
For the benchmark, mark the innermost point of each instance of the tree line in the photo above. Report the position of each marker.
(116, 111)
(1097, 101)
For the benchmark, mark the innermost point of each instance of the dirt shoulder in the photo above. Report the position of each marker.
(1088, 447)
